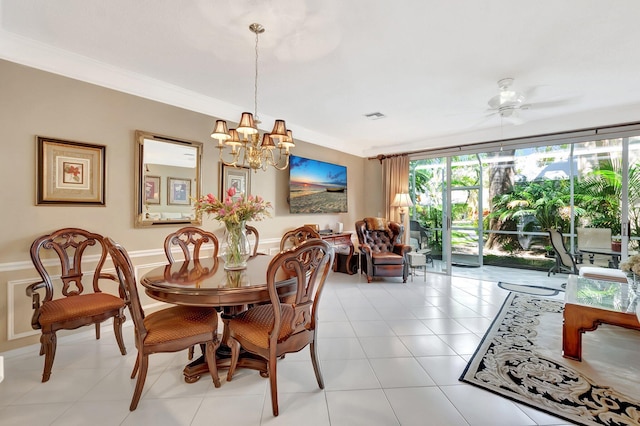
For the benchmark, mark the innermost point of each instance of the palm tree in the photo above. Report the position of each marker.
(547, 202)
(599, 194)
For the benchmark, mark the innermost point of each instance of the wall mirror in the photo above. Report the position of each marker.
(168, 177)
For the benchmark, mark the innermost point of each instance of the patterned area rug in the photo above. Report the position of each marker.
(520, 358)
(530, 289)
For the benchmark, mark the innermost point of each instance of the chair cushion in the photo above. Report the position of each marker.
(604, 274)
(386, 258)
(83, 305)
(179, 322)
(255, 324)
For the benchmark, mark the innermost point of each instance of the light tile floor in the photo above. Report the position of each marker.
(391, 354)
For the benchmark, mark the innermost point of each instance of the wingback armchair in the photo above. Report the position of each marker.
(382, 254)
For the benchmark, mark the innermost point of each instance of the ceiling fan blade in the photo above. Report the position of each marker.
(494, 103)
(551, 103)
(484, 120)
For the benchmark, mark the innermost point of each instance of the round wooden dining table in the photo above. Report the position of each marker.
(205, 282)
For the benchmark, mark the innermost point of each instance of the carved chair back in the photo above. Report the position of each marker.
(295, 237)
(252, 232)
(190, 237)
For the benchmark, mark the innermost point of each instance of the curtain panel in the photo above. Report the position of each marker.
(395, 178)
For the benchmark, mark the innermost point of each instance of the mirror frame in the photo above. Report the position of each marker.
(140, 220)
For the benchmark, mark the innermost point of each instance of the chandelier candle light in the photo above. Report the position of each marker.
(250, 150)
(234, 211)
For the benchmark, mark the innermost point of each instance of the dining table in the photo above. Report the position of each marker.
(205, 282)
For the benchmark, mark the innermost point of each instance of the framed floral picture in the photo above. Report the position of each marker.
(179, 191)
(70, 172)
(238, 178)
(152, 189)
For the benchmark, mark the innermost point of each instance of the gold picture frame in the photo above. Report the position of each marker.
(152, 189)
(238, 177)
(70, 172)
(178, 191)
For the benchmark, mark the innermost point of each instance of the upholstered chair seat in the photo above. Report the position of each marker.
(386, 258)
(81, 306)
(179, 322)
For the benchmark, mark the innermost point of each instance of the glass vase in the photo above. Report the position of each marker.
(237, 248)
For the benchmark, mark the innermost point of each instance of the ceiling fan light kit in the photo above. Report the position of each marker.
(508, 99)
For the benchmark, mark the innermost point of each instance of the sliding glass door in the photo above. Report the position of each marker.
(495, 207)
(465, 207)
(428, 186)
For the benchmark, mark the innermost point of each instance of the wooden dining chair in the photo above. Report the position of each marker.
(277, 328)
(295, 237)
(168, 330)
(190, 239)
(74, 306)
(252, 232)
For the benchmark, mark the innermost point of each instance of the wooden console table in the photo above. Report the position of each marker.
(342, 244)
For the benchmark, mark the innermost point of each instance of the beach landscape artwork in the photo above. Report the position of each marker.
(316, 186)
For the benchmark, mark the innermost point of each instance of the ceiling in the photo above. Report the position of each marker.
(430, 66)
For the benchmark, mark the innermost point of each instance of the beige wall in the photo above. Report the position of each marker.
(34, 102)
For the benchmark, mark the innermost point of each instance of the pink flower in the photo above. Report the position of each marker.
(232, 210)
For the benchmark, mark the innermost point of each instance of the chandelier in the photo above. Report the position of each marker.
(244, 146)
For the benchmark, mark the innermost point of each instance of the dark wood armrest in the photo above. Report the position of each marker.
(32, 291)
(111, 277)
(31, 288)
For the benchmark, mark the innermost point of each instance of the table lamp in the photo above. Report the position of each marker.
(402, 200)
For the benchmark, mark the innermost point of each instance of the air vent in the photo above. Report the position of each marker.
(375, 115)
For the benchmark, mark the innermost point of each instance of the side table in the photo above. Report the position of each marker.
(343, 246)
(417, 260)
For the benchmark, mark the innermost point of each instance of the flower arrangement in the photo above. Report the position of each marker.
(233, 210)
(632, 264)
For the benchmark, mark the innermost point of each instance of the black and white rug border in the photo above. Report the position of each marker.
(517, 369)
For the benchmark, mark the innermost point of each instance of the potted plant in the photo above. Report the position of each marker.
(616, 245)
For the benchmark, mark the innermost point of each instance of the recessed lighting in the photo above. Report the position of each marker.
(375, 115)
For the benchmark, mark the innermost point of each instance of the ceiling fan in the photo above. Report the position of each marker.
(509, 102)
